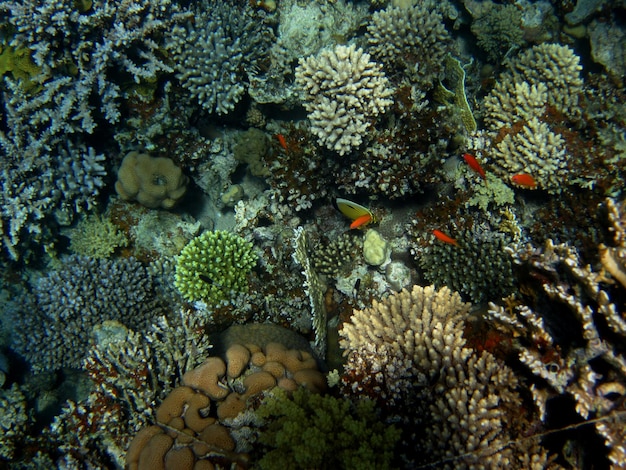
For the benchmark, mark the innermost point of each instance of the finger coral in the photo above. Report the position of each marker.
(214, 266)
(456, 404)
(344, 92)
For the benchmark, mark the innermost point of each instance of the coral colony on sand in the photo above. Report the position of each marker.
(325, 234)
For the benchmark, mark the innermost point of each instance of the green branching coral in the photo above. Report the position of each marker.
(323, 432)
(97, 237)
(213, 266)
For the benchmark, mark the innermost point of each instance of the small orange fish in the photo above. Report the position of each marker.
(524, 179)
(474, 165)
(282, 141)
(361, 221)
(444, 238)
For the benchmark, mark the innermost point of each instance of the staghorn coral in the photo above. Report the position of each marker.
(408, 351)
(413, 38)
(55, 326)
(478, 266)
(590, 368)
(214, 266)
(151, 181)
(214, 50)
(344, 92)
(14, 421)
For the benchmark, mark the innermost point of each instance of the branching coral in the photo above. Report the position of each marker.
(344, 92)
(457, 404)
(313, 431)
(590, 369)
(215, 50)
(214, 266)
(68, 302)
(413, 38)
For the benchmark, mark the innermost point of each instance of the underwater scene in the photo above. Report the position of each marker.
(312, 234)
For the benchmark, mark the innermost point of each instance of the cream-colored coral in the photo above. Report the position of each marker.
(558, 67)
(536, 150)
(344, 92)
(410, 347)
(151, 181)
(512, 101)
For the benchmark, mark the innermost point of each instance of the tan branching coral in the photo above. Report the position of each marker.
(409, 352)
(592, 371)
(151, 181)
(344, 93)
(614, 258)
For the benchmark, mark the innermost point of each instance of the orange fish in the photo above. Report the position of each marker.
(360, 221)
(474, 165)
(282, 141)
(524, 179)
(444, 238)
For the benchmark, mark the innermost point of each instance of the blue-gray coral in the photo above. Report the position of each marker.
(216, 52)
(55, 329)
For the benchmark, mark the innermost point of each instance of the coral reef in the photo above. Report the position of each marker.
(197, 421)
(411, 38)
(498, 30)
(214, 266)
(477, 266)
(215, 50)
(317, 431)
(15, 419)
(151, 181)
(332, 257)
(344, 91)
(457, 404)
(592, 369)
(96, 237)
(55, 326)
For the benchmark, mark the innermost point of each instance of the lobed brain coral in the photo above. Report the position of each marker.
(213, 266)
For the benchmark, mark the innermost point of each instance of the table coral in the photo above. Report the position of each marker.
(214, 266)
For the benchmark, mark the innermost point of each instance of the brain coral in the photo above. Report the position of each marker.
(344, 91)
(151, 181)
(213, 266)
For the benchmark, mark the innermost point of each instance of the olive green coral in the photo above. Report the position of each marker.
(213, 266)
(315, 431)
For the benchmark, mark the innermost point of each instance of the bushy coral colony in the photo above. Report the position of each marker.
(187, 284)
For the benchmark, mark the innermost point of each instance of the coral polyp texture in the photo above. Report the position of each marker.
(344, 93)
(457, 404)
(214, 267)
